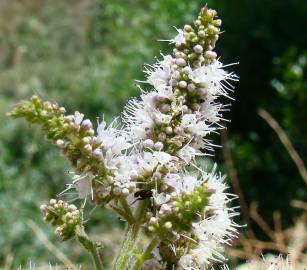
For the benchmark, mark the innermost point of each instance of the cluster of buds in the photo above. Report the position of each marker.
(63, 217)
(180, 212)
(201, 39)
(71, 133)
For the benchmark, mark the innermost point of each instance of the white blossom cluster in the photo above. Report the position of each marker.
(164, 132)
(269, 263)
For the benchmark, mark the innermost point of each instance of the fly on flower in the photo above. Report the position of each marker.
(143, 194)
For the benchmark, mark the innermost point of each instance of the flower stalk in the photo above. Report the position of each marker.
(90, 247)
(131, 237)
(147, 254)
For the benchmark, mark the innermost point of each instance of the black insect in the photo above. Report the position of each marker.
(143, 194)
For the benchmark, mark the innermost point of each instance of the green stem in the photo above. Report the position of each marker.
(127, 208)
(146, 255)
(90, 247)
(130, 238)
(123, 214)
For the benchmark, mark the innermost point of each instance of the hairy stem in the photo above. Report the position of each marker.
(127, 209)
(90, 247)
(130, 238)
(146, 255)
(123, 214)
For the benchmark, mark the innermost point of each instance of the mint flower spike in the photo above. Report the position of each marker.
(95, 158)
(168, 126)
(183, 108)
(70, 133)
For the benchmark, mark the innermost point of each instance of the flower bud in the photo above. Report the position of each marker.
(52, 202)
(181, 62)
(191, 87)
(98, 153)
(198, 49)
(184, 108)
(156, 176)
(87, 148)
(125, 192)
(117, 191)
(165, 208)
(152, 220)
(188, 28)
(69, 215)
(210, 54)
(134, 175)
(187, 70)
(179, 130)
(43, 207)
(162, 136)
(148, 143)
(86, 140)
(110, 180)
(168, 130)
(91, 132)
(182, 84)
(158, 146)
(201, 91)
(217, 22)
(86, 124)
(60, 143)
(72, 207)
(168, 225)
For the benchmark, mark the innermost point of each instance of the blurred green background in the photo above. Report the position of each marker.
(86, 54)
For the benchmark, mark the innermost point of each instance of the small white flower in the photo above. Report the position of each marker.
(187, 153)
(138, 117)
(159, 74)
(174, 181)
(83, 184)
(111, 138)
(210, 110)
(196, 126)
(189, 182)
(78, 117)
(160, 198)
(161, 118)
(179, 38)
(269, 262)
(187, 263)
(200, 257)
(219, 228)
(214, 78)
(162, 157)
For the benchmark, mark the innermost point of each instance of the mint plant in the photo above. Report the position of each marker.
(145, 168)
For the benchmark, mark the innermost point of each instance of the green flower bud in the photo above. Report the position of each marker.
(63, 216)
